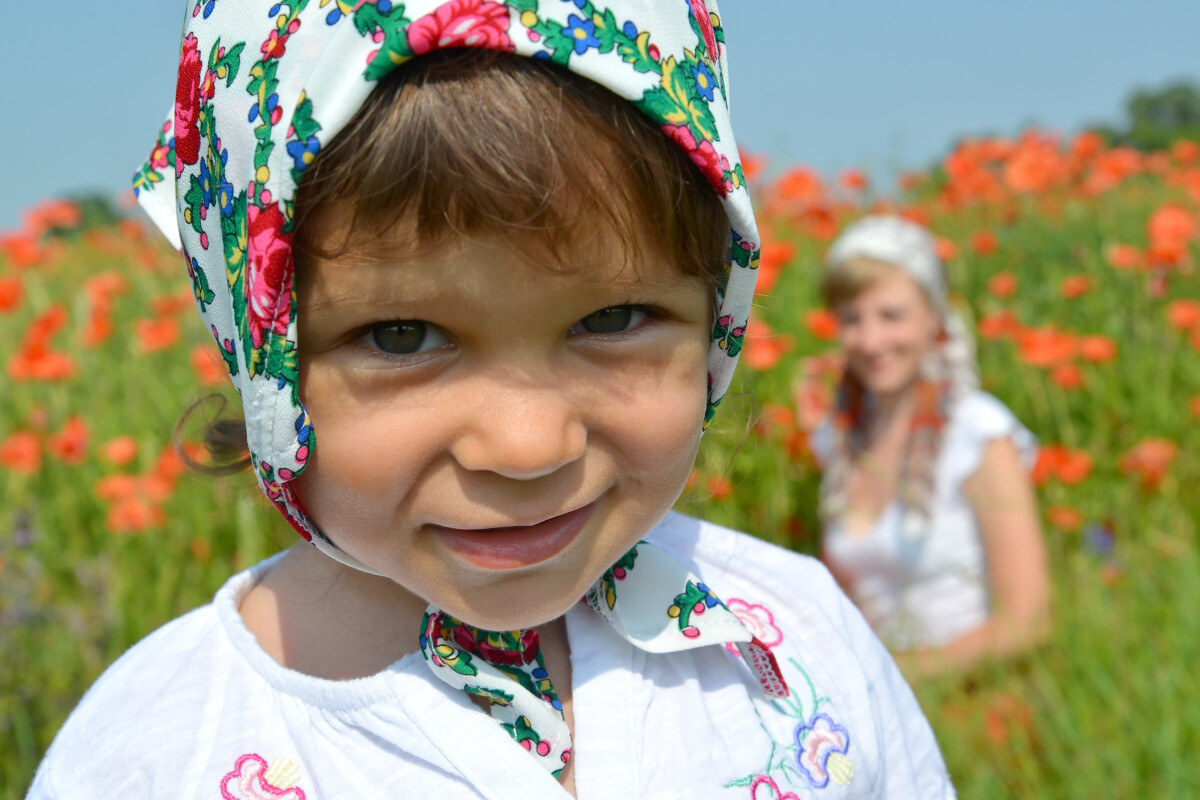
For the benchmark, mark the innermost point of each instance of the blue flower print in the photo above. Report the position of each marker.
(583, 32)
(303, 153)
(705, 81)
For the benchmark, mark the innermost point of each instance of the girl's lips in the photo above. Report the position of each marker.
(511, 548)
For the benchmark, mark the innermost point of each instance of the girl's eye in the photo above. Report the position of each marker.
(406, 337)
(614, 319)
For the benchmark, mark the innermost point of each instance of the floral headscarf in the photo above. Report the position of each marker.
(947, 373)
(264, 85)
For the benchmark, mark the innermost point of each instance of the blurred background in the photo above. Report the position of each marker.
(1053, 147)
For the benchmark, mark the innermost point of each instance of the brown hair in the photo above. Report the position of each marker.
(468, 141)
(847, 279)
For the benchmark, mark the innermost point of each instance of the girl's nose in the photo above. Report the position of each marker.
(521, 432)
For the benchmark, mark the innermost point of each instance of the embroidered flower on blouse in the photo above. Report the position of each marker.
(758, 619)
(251, 779)
(822, 746)
(764, 788)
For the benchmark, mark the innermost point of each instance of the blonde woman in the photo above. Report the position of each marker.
(930, 521)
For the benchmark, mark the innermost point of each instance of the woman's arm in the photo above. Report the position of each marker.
(1002, 498)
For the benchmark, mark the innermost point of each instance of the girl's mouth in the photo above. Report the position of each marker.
(515, 547)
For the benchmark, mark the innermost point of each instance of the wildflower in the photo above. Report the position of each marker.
(822, 323)
(208, 366)
(1183, 315)
(52, 215)
(1195, 405)
(774, 257)
(1098, 349)
(719, 487)
(1003, 285)
(70, 444)
(854, 180)
(1149, 459)
(984, 243)
(11, 292)
(752, 164)
(21, 250)
(1170, 229)
(1124, 257)
(800, 184)
(1069, 466)
(120, 451)
(947, 250)
(1075, 286)
(1067, 376)
(134, 515)
(762, 349)
(1064, 518)
(156, 334)
(21, 452)
(999, 325)
(1046, 347)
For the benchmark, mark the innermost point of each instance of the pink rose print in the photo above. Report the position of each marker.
(758, 620)
(700, 12)
(269, 273)
(187, 105)
(763, 788)
(711, 163)
(248, 780)
(461, 23)
(823, 745)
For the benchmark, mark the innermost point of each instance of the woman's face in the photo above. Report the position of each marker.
(885, 332)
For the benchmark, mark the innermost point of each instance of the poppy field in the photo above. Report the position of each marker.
(1073, 262)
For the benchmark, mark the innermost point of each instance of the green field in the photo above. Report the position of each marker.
(103, 537)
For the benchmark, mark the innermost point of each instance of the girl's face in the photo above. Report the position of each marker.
(885, 331)
(493, 435)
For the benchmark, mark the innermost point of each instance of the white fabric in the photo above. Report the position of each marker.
(894, 240)
(926, 591)
(177, 713)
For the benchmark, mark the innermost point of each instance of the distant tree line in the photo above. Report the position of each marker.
(1157, 117)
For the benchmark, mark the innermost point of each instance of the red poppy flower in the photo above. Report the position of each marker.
(1183, 315)
(1067, 376)
(822, 323)
(1003, 285)
(156, 334)
(1124, 256)
(761, 349)
(999, 325)
(1149, 459)
(854, 180)
(984, 243)
(1075, 286)
(11, 292)
(1046, 347)
(209, 367)
(774, 257)
(1064, 518)
(719, 488)
(1098, 349)
(947, 250)
(21, 249)
(21, 452)
(70, 444)
(120, 451)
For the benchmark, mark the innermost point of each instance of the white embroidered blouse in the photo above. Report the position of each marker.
(198, 709)
(926, 591)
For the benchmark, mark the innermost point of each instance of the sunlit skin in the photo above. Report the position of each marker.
(885, 332)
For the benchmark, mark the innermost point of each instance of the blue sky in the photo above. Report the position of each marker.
(830, 83)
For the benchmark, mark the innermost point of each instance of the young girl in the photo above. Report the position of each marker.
(479, 304)
(930, 520)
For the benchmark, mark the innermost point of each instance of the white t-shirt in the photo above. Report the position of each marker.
(198, 709)
(926, 591)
